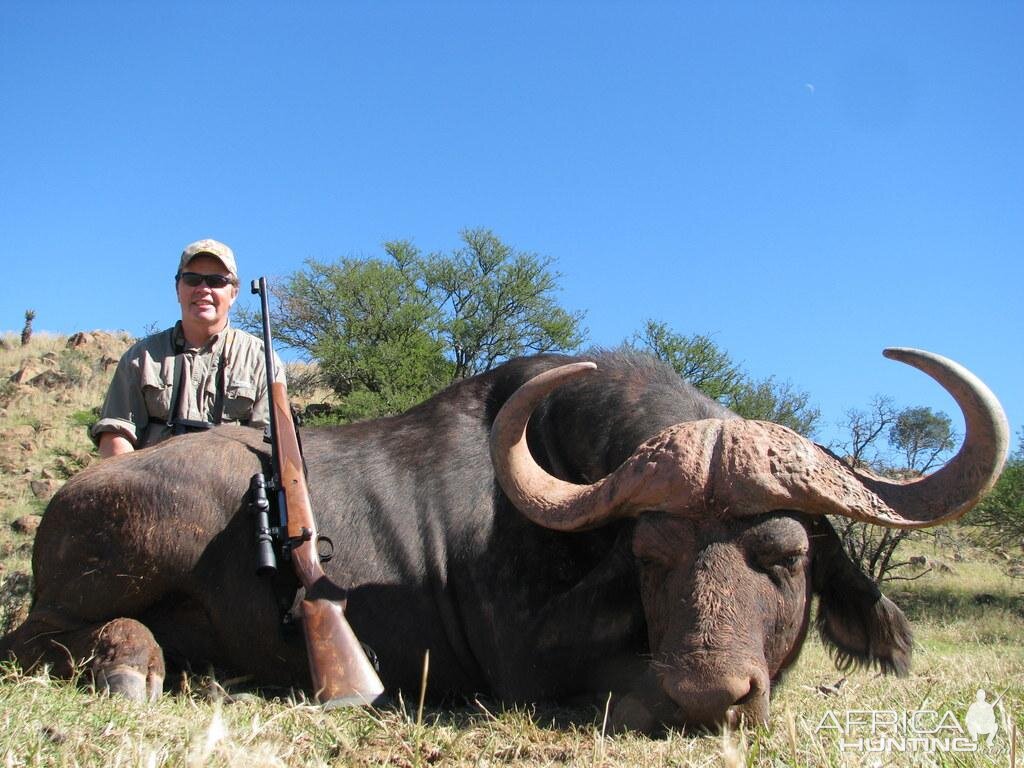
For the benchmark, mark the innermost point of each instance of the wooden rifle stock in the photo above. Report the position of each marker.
(341, 672)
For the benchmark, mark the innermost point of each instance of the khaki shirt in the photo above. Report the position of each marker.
(225, 383)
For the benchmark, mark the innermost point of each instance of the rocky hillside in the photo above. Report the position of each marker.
(50, 392)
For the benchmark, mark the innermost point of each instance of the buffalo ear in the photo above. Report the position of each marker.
(860, 625)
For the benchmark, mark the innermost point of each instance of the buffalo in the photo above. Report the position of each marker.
(553, 528)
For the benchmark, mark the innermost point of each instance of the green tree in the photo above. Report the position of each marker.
(696, 358)
(713, 371)
(1002, 509)
(368, 328)
(776, 401)
(387, 333)
(922, 436)
(495, 302)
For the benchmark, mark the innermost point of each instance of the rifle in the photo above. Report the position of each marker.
(341, 672)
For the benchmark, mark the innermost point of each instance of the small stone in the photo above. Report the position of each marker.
(44, 489)
(27, 523)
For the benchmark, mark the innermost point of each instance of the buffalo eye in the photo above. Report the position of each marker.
(791, 562)
(781, 565)
(652, 559)
(661, 542)
(777, 546)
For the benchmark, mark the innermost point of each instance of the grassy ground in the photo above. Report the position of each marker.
(969, 628)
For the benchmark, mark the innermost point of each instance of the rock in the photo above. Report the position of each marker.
(26, 523)
(48, 380)
(44, 489)
(80, 339)
(48, 473)
(24, 374)
(101, 339)
(107, 362)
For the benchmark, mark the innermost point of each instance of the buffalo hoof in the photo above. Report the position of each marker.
(125, 681)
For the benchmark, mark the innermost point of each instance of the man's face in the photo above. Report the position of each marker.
(203, 305)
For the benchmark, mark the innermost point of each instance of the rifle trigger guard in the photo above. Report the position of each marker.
(324, 548)
(296, 541)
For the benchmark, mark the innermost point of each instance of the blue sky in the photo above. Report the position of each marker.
(806, 182)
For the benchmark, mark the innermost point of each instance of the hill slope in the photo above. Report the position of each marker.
(50, 392)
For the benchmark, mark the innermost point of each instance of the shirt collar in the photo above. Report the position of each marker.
(181, 343)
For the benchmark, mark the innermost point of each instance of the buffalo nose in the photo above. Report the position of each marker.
(722, 700)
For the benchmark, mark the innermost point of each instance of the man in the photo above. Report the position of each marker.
(200, 373)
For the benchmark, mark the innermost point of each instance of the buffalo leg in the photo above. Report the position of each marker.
(120, 656)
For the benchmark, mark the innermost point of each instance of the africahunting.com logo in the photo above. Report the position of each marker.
(921, 730)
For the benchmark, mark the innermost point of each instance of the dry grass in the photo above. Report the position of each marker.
(969, 634)
(47, 722)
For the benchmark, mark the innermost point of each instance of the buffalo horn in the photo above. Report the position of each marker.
(744, 467)
(948, 493)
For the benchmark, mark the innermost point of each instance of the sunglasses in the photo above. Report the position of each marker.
(194, 280)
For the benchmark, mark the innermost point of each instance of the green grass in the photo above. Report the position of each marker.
(969, 634)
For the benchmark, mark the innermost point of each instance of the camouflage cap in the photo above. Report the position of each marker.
(208, 247)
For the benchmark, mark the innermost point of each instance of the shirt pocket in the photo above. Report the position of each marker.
(239, 397)
(157, 388)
